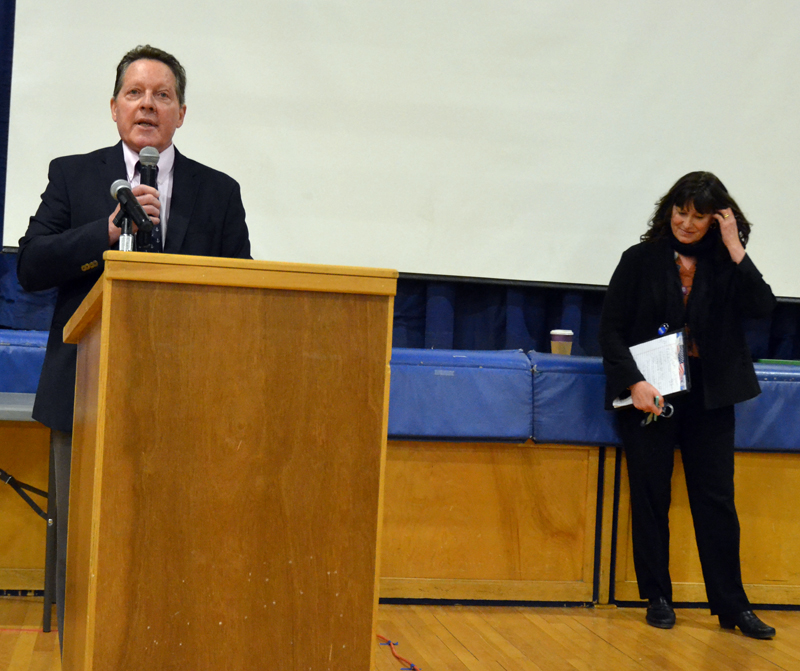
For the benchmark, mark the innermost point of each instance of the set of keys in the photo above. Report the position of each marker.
(666, 412)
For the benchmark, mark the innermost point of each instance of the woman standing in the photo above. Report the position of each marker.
(690, 269)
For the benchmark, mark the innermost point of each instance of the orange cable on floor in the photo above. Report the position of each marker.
(411, 665)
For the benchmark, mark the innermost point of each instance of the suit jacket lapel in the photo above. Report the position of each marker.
(112, 167)
(666, 282)
(184, 192)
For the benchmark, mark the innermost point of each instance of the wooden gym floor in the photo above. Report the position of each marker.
(482, 638)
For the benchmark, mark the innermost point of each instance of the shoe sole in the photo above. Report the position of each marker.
(761, 637)
(660, 625)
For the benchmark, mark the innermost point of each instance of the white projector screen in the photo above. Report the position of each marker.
(519, 139)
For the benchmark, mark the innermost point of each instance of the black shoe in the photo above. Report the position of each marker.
(749, 623)
(660, 614)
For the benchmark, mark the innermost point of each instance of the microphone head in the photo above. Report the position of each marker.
(148, 156)
(119, 184)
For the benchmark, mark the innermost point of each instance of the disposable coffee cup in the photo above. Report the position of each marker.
(561, 341)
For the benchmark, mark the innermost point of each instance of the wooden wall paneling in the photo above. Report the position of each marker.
(489, 521)
(24, 454)
(767, 500)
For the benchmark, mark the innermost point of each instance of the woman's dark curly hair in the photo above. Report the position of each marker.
(706, 193)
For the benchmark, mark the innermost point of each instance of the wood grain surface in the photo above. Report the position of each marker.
(230, 484)
(767, 500)
(489, 521)
(24, 454)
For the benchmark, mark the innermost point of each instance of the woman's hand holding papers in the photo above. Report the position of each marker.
(647, 398)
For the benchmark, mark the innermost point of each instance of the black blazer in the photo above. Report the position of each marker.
(64, 244)
(645, 292)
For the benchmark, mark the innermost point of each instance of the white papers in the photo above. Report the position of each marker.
(663, 363)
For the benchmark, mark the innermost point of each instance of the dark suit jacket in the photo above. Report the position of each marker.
(64, 244)
(645, 292)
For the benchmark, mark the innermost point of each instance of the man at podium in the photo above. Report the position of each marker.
(194, 209)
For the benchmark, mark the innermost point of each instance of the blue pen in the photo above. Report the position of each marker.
(663, 329)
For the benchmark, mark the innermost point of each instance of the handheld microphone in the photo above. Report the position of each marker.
(121, 191)
(148, 166)
(148, 172)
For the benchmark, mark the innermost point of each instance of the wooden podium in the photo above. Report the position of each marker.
(227, 470)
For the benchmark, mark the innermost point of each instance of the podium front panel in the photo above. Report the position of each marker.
(230, 493)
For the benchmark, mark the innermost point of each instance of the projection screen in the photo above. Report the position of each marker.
(523, 140)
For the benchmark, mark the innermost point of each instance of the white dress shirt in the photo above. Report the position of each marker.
(166, 164)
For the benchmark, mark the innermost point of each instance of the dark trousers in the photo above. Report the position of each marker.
(61, 443)
(705, 438)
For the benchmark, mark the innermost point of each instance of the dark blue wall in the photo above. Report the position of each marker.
(467, 314)
(474, 315)
(6, 55)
